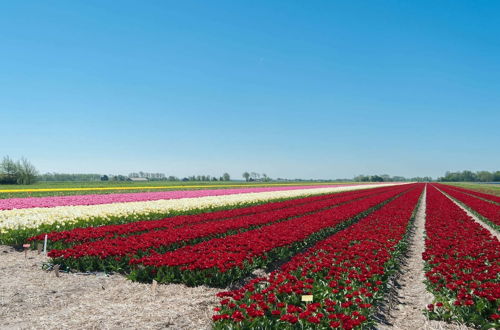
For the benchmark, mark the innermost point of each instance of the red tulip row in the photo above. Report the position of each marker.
(462, 263)
(81, 235)
(345, 274)
(488, 197)
(489, 211)
(114, 253)
(223, 260)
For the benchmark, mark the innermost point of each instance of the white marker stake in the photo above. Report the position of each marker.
(45, 245)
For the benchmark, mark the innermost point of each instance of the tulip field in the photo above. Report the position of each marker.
(289, 257)
(21, 218)
(463, 264)
(483, 205)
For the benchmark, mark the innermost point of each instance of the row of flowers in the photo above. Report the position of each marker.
(94, 199)
(113, 254)
(344, 275)
(462, 265)
(81, 235)
(19, 224)
(487, 197)
(220, 261)
(490, 212)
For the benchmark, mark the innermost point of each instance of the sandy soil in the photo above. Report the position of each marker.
(31, 298)
(403, 310)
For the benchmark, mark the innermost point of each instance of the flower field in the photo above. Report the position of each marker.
(345, 274)
(144, 237)
(223, 260)
(487, 197)
(486, 206)
(52, 201)
(16, 225)
(462, 263)
(329, 255)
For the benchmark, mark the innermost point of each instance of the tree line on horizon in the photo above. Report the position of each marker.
(388, 178)
(469, 176)
(463, 176)
(23, 172)
(119, 177)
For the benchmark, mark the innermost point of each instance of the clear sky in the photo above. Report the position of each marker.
(310, 89)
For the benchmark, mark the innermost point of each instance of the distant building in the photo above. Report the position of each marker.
(138, 179)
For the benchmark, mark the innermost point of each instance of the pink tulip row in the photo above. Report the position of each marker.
(53, 201)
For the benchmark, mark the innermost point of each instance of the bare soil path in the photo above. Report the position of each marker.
(31, 298)
(405, 308)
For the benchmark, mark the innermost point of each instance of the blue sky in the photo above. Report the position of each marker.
(324, 89)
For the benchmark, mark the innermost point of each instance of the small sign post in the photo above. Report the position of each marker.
(26, 247)
(56, 270)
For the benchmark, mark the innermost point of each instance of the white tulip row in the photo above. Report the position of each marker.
(32, 218)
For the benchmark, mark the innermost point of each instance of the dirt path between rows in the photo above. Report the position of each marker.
(405, 307)
(473, 216)
(31, 298)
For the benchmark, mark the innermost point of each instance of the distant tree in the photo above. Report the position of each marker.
(265, 178)
(226, 177)
(9, 166)
(452, 177)
(9, 171)
(485, 176)
(469, 176)
(27, 173)
(376, 178)
(104, 178)
(362, 178)
(119, 178)
(496, 176)
(246, 175)
(386, 177)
